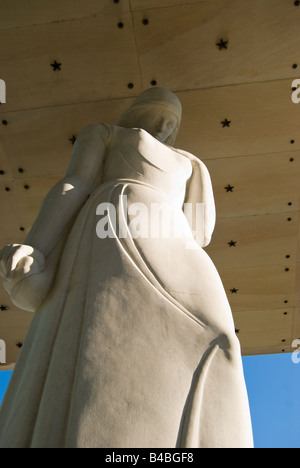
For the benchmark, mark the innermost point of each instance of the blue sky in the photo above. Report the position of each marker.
(273, 383)
(4, 379)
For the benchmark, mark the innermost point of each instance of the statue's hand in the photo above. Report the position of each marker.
(24, 274)
(19, 261)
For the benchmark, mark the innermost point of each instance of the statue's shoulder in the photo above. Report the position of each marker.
(105, 130)
(188, 155)
(194, 159)
(113, 132)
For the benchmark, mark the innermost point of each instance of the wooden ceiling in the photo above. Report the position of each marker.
(68, 63)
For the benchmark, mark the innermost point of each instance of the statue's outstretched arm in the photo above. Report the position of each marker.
(28, 269)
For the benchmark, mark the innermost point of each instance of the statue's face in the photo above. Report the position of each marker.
(159, 122)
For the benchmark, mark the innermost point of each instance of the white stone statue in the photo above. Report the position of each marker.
(132, 342)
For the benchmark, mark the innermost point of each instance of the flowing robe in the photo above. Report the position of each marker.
(135, 344)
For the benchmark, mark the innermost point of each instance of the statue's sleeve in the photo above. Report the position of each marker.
(199, 203)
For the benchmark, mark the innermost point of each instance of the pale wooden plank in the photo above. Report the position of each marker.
(178, 46)
(262, 115)
(12, 214)
(258, 351)
(20, 13)
(259, 287)
(297, 286)
(254, 240)
(296, 324)
(5, 166)
(264, 328)
(98, 61)
(148, 4)
(264, 183)
(298, 255)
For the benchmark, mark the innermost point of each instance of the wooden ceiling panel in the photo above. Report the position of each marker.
(297, 286)
(259, 287)
(296, 325)
(298, 256)
(254, 240)
(147, 4)
(264, 329)
(98, 61)
(13, 218)
(179, 45)
(16, 13)
(268, 328)
(261, 119)
(5, 166)
(260, 184)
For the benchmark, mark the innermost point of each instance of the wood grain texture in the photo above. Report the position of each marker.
(179, 44)
(265, 329)
(98, 61)
(254, 240)
(263, 119)
(18, 14)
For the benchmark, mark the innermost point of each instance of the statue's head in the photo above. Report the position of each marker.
(158, 111)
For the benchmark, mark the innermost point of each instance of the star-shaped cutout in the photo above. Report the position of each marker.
(73, 139)
(3, 307)
(234, 291)
(232, 244)
(229, 188)
(237, 331)
(56, 66)
(222, 44)
(226, 123)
